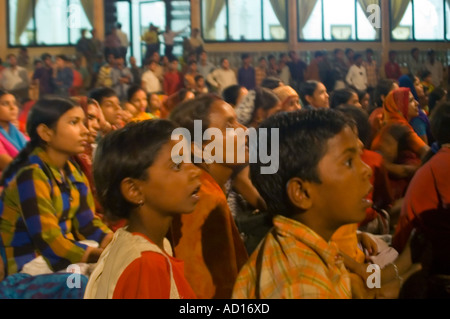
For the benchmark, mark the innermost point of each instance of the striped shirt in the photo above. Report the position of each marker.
(43, 213)
(293, 262)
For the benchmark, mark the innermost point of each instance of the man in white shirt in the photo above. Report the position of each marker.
(415, 66)
(169, 40)
(223, 77)
(124, 43)
(204, 67)
(14, 79)
(435, 67)
(357, 75)
(150, 82)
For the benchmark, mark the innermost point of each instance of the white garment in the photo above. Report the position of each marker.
(14, 79)
(123, 38)
(285, 75)
(150, 82)
(437, 72)
(117, 256)
(221, 79)
(169, 37)
(38, 266)
(357, 77)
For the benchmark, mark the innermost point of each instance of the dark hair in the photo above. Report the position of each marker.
(132, 91)
(198, 77)
(424, 74)
(127, 152)
(361, 118)
(369, 50)
(341, 96)
(308, 131)
(434, 97)
(3, 92)
(307, 89)
(264, 99)
(271, 82)
(245, 56)
(440, 123)
(45, 56)
(413, 50)
(383, 88)
(199, 108)
(357, 56)
(231, 94)
(48, 111)
(100, 93)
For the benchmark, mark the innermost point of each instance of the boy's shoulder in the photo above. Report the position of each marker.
(293, 262)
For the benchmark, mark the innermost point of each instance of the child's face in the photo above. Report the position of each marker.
(139, 100)
(201, 82)
(171, 188)
(8, 108)
(111, 109)
(155, 102)
(93, 122)
(340, 198)
(70, 137)
(223, 117)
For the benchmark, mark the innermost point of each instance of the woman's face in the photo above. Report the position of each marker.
(419, 87)
(70, 137)
(140, 101)
(155, 102)
(354, 100)
(413, 107)
(320, 97)
(365, 101)
(93, 122)
(8, 108)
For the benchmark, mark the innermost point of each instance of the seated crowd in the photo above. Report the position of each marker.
(361, 178)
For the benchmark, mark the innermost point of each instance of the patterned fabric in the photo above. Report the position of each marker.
(293, 262)
(41, 213)
(371, 70)
(52, 286)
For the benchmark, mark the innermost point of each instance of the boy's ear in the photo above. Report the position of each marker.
(130, 191)
(44, 132)
(299, 193)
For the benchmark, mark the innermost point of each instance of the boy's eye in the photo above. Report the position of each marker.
(349, 162)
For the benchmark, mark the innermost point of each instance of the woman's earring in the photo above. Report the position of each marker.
(141, 203)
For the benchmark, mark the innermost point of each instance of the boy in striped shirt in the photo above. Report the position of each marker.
(321, 185)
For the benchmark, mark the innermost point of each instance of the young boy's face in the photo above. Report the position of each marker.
(341, 197)
(111, 109)
(171, 188)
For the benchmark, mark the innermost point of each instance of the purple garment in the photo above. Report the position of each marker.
(247, 78)
(44, 75)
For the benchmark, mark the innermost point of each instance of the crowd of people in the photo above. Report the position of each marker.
(362, 177)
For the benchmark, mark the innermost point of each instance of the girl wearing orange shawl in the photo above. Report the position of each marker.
(397, 142)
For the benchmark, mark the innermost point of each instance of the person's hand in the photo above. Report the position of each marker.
(368, 243)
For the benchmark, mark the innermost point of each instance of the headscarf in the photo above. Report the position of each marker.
(285, 94)
(396, 106)
(406, 82)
